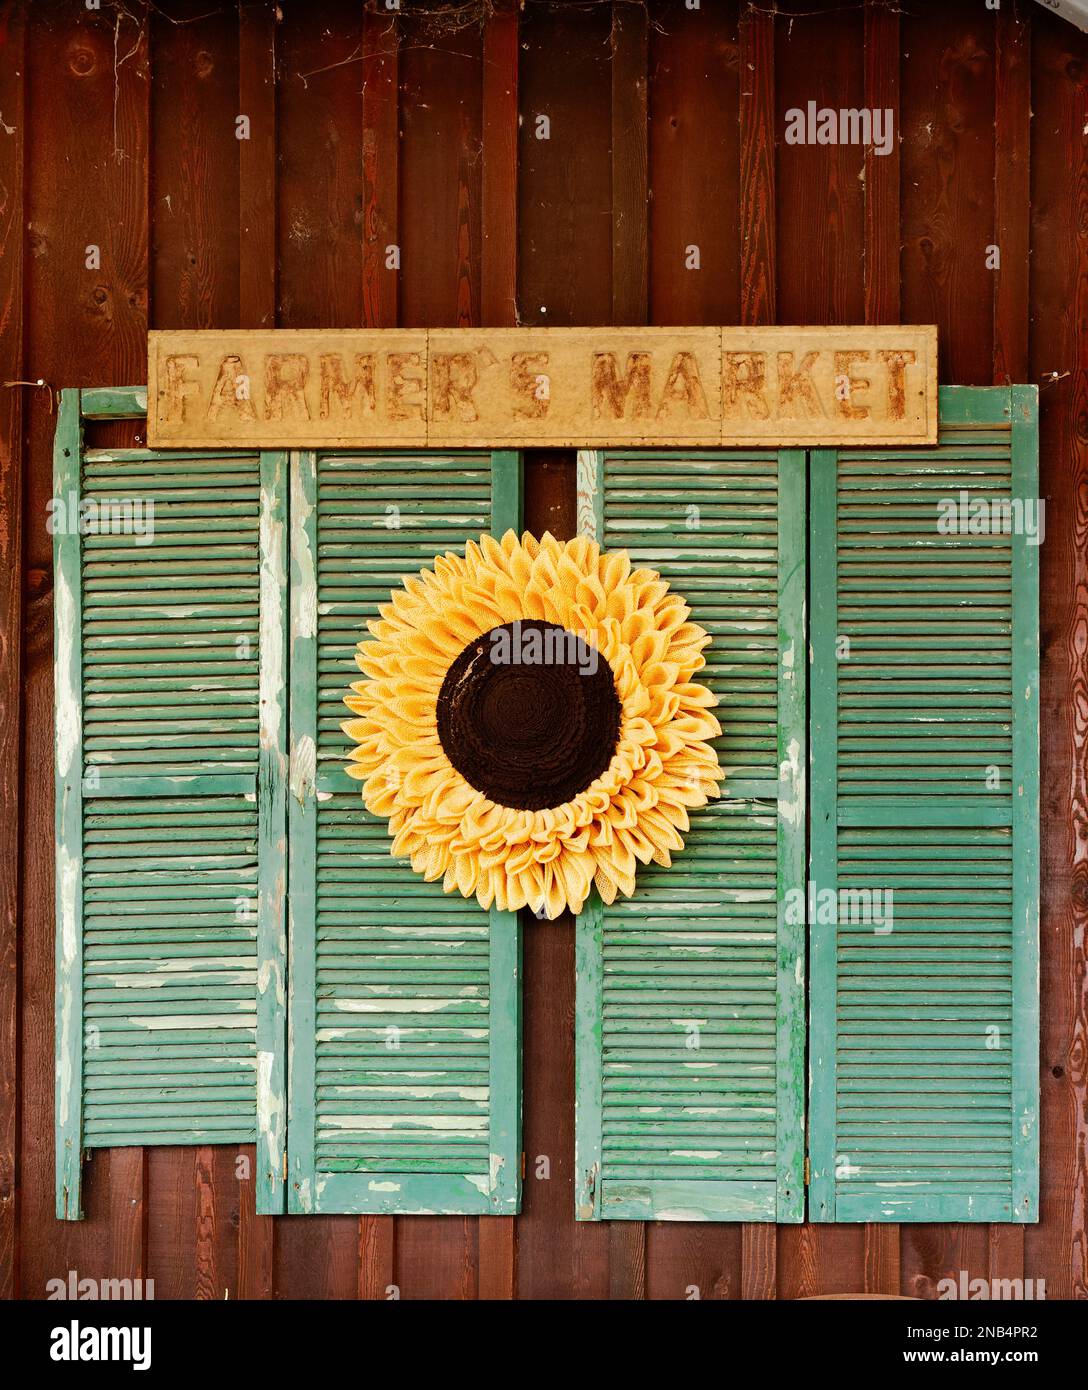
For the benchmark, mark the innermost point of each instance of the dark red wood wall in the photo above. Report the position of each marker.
(118, 129)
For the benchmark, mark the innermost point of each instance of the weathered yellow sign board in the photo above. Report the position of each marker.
(557, 387)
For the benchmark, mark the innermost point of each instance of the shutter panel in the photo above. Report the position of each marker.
(690, 1018)
(404, 1092)
(924, 1029)
(165, 854)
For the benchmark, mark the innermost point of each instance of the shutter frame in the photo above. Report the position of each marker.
(310, 1188)
(147, 794)
(1015, 409)
(717, 1199)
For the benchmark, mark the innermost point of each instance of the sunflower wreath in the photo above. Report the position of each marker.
(530, 726)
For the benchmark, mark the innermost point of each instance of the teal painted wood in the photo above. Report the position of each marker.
(589, 480)
(506, 491)
(272, 849)
(1025, 815)
(68, 684)
(688, 1200)
(504, 1013)
(588, 1056)
(924, 1033)
(689, 1034)
(404, 1002)
(113, 402)
(302, 832)
(823, 726)
(792, 804)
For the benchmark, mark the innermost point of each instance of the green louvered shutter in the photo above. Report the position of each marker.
(690, 1017)
(166, 732)
(924, 1019)
(405, 1050)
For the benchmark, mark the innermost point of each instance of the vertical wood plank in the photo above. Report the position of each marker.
(759, 1260)
(127, 1213)
(381, 107)
(630, 137)
(256, 1235)
(627, 1259)
(758, 290)
(1056, 1250)
(497, 1237)
(882, 172)
(564, 178)
(499, 195)
(819, 196)
(257, 165)
(197, 165)
(758, 305)
(377, 1237)
(319, 203)
(1012, 195)
(948, 157)
(694, 172)
(882, 1258)
(12, 242)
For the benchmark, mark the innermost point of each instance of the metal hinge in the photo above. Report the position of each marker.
(523, 1165)
(285, 1165)
(808, 1171)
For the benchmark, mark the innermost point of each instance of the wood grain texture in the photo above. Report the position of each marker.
(257, 165)
(440, 176)
(12, 233)
(381, 115)
(377, 1254)
(499, 180)
(1012, 195)
(948, 157)
(882, 172)
(694, 165)
(758, 262)
(320, 223)
(1057, 1249)
(564, 185)
(256, 1236)
(819, 214)
(196, 169)
(629, 162)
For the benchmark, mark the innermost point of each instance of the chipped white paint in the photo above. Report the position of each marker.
(791, 800)
(304, 586)
(383, 1185)
(68, 715)
(303, 774)
(273, 584)
(68, 888)
(269, 1108)
(164, 1023)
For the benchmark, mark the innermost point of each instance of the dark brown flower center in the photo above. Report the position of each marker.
(528, 714)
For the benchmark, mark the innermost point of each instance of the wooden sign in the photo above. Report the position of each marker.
(557, 387)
